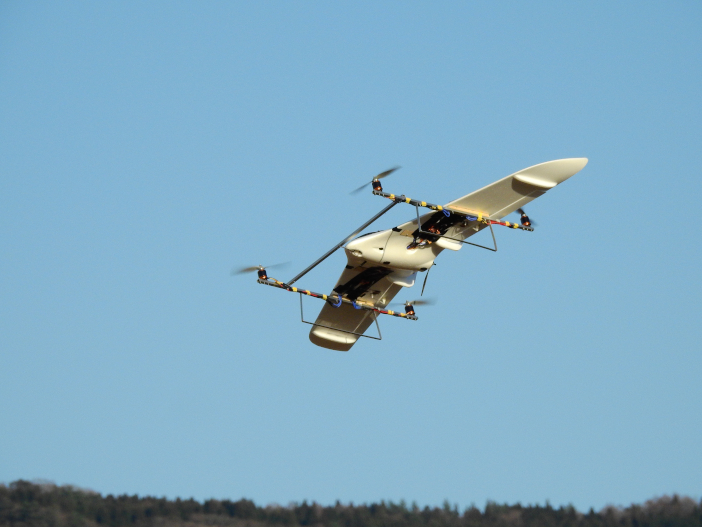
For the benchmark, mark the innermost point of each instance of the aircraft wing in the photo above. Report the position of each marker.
(502, 197)
(339, 328)
(508, 194)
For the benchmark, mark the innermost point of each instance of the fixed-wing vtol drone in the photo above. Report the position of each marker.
(381, 263)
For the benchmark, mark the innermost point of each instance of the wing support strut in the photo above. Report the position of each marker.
(395, 201)
(375, 318)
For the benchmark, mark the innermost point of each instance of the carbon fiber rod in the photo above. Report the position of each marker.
(342, 242)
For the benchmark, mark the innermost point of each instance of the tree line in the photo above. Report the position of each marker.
(24, 503)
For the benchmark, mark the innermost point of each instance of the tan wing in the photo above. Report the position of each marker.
(508, 194)
(345, 324)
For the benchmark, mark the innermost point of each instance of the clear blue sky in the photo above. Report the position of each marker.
(148, 148)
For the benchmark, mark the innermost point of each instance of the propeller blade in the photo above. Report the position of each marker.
(425, 302)
(386, 173)
(251, 269)
(425, 280)
(359, 189)
(242, 270)
(379, 176)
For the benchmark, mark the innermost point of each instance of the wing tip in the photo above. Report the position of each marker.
(580, 161)
(332, 339)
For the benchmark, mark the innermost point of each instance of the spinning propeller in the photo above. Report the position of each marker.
(525, 219)
(374, 181)
(409, 304)
(260, 268)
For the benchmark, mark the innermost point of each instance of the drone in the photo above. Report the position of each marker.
(380, 264)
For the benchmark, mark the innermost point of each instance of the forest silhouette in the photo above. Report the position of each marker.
(24, 503)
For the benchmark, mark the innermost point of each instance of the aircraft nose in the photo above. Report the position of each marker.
(370, 247)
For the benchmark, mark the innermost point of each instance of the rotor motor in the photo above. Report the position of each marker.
(526, 222)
